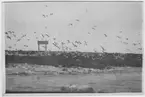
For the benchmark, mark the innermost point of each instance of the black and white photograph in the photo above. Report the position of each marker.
(73, 47)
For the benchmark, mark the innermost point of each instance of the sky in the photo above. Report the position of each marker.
(115, 26)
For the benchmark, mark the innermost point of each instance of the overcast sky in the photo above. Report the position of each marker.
(106, 24)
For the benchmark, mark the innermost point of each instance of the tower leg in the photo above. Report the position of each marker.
(38, 47)
(45, 47)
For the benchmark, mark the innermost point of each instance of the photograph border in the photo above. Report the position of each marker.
(3, 76)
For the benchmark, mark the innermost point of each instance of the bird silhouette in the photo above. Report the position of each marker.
(62, 43)
(126, 38)
(23, 36)
(70, 24)
(105, 35)
(18, 40)
(9, 37)
(42, 35)
(51, 13)
(93, 28)
(6, 32)
(66, 48)
(134, 44)
(85, 42)
(56, 45)
(140, 48)
(76, 41)
(47, 35)
(103, 49)
(9, 47)
(118, 36)
(43, 15)
(125, 42)
(14, 35)
(9, 31)
(68, 41)
(95, 50)
(79, 42)
(77, 20)
(74, 44)
(26, 45)
(34, 32)
(46, 6)
(128, 50)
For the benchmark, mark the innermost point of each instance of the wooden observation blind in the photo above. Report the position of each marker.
(42, 43)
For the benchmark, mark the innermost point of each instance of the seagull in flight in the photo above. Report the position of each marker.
(93, 28)
(140, 48)
(14, 35)
(102, 48)
(76, 41)
(26, 45)
(85, 42)
(125, 42)
(68, 41)
(51, 13)
(9, 47)
(134, 44)
(62, 43)
(42, 35)
(74, 44)
(129, 50)
(79, 42)
(56, 45)
(77, 20)
(23, 36)
(118, 36)
(9, 37)
(54, 38)
(105, 35)
(43, 15)
(70, 24)
(6, 32)
(18, 40)
(47, 35)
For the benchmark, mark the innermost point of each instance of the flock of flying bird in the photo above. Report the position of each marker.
(62, 46)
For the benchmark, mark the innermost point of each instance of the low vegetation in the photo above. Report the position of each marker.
(74, 59)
